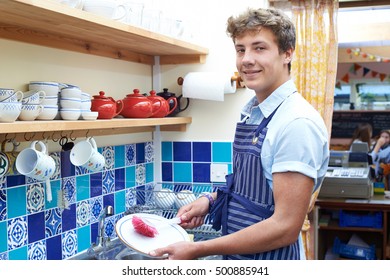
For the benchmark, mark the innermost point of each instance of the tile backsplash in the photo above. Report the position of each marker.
(32, 228)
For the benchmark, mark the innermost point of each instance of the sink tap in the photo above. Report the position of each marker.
(101, 241)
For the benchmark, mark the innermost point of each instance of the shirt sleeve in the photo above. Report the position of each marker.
(301, 147)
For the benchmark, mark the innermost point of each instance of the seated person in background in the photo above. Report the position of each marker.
(361, 134)
(381, 154)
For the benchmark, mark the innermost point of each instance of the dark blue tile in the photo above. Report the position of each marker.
(109, 200)
(36, 227)
(54, 248)
(201, 151)
(119, 179)
(94, 232)
(182, 151)
(140, 152)
(69, 218)
(166, 170)
(67, 168)
(96, 184)
(201, 172)
(140, 196)
(15, 180)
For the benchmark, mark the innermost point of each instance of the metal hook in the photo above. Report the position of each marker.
(25, 136)
(70, 136)
(54, 139)
(86, 134)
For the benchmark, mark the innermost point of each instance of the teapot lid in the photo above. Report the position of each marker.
(101, 96)
(152, 92)
(166, 93)
(136, 93)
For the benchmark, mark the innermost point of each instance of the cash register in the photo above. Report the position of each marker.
(348, 175)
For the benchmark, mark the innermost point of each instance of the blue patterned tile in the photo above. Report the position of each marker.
(69, 244)
(69, 188)
(37, 250)
(182, 151)
(140, 174)
(36, 232)
(109, 154)
(3, 256)
(131, 198)
(130, 155)
(149, 152)
(96, 206)
(53, 222)
(35, 198)
(57, 159)
(17, 232)
(108, 181)
(83, 213)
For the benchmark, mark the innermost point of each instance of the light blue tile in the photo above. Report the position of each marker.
(82, 187)
(18, 254)
(83, 238)
(166, 151)
(182, 172)
(120, 202)
(16, 202)
(3, 237)
(130, 177)
(222, 152)
(149, 174)
(119, 156)
(55, 187)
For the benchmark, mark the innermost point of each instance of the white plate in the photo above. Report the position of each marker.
(167, 233)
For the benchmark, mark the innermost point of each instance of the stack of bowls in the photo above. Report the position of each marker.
(32, 105)
(10, 104)
(50, 102)
(86, 113)
(70, 103)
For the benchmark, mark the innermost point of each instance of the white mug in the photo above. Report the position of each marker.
(34, 163)
(86, 155)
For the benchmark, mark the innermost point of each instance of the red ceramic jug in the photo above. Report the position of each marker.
(161, 106)
(106, 106)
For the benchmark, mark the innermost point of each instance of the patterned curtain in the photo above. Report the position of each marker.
(314, 66)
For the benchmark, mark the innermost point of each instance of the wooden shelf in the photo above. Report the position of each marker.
(51, 24)
(37, 130)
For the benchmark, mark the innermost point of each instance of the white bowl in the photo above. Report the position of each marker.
(10, 111)
(90, 116)
(50, 88)
(105, 8)
(48, 113)
(70, 114)
(50, 100)
(70, 103)
(86, 104)
(71, 92)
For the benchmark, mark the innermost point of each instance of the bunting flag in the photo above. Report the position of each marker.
(359, 52)
(355, 68)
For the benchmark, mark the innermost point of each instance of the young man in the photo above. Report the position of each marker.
(280, 153)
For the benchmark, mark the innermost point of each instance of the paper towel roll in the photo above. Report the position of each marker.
(208, 85)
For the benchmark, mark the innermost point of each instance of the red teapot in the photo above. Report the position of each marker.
(106, 106)
(137, 105)
(161, 105)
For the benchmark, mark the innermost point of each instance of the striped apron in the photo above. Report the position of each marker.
(247, 198)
